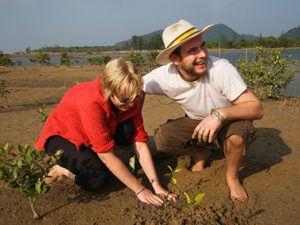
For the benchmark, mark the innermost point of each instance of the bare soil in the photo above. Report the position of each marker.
(270, 171)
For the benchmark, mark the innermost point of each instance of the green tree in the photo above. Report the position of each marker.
(137, 42)
(260, 41)
(28, 49)
(283, 41)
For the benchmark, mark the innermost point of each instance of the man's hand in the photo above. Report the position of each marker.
(207, 128)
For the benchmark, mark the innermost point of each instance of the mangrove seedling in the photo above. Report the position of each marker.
(172, 172)
(25, 171)
(4, 92)
(196, 201)
(41, 110)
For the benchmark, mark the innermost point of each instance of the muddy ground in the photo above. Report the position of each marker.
(270, 171)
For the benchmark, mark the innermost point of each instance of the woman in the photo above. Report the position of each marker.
(90, 119)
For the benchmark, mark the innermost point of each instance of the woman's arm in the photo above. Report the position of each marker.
(117, 167)
(145, 159)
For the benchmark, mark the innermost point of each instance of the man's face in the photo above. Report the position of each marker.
(193, 58)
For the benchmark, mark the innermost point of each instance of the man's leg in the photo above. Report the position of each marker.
(173, 138)
(234, 150)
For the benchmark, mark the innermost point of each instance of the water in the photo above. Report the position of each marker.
(293, 88)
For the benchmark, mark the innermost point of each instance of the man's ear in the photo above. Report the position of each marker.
(174, 58)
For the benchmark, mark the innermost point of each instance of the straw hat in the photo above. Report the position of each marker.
(175, 35)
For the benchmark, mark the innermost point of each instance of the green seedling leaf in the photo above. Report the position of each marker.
(5, 147)
(38, 185)
(132, 164)
(176, 171)
(2, 152)
(187, 198)
(174, 180)
(170, 168)
(15, 174)
(198, 198)
(20, 163)
(168, 174)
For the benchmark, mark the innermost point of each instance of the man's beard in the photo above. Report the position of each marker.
(190, 70)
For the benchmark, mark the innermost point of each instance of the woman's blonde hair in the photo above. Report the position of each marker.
(120, 78)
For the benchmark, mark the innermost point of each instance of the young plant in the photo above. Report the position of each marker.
(196, 201)
(25, 171)
(3, 92)
(41, 110)
(172, 172)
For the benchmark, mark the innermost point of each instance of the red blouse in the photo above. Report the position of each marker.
(84, 118)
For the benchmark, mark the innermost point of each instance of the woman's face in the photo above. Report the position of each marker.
(121, 104)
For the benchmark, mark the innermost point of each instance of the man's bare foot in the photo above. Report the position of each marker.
(237, 191)
(56, 172)
(201, 157)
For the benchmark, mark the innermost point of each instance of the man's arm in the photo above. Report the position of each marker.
(247, 107)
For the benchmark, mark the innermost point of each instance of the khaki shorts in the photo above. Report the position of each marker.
(176, 134)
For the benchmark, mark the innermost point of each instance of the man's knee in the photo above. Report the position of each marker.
(234, 142)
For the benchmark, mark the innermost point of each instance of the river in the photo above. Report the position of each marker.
(293, 88)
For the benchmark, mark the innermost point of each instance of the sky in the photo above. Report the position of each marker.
(41, 23)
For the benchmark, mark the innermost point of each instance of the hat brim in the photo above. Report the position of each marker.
(163, 57)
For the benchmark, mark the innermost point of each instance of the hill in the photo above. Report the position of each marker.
(219, 30)
(293, 33)
(214, 34)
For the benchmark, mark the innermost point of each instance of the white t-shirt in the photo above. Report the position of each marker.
(216, 89)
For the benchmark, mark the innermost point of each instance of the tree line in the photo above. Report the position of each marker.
(155, 43)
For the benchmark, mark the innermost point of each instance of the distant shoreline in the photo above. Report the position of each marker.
(127, 52)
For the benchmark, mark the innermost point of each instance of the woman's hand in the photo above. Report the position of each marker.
(168, 195)
(148, 197)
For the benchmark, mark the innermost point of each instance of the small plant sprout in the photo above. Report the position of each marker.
(3, 92)
(41, 110)
(196, 201)
(25, 171)
(172, 172)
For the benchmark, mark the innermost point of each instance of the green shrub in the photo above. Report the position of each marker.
(135, 58)
(5, 60)
(3, 90)
(93, 60)
(25, 171)
(269, 73)
(105, 59)
(151, 56)
(65, 59)
(41, 58)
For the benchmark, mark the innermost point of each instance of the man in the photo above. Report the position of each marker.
(218, 106)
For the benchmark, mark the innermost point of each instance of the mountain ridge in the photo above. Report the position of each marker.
(219, 30)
